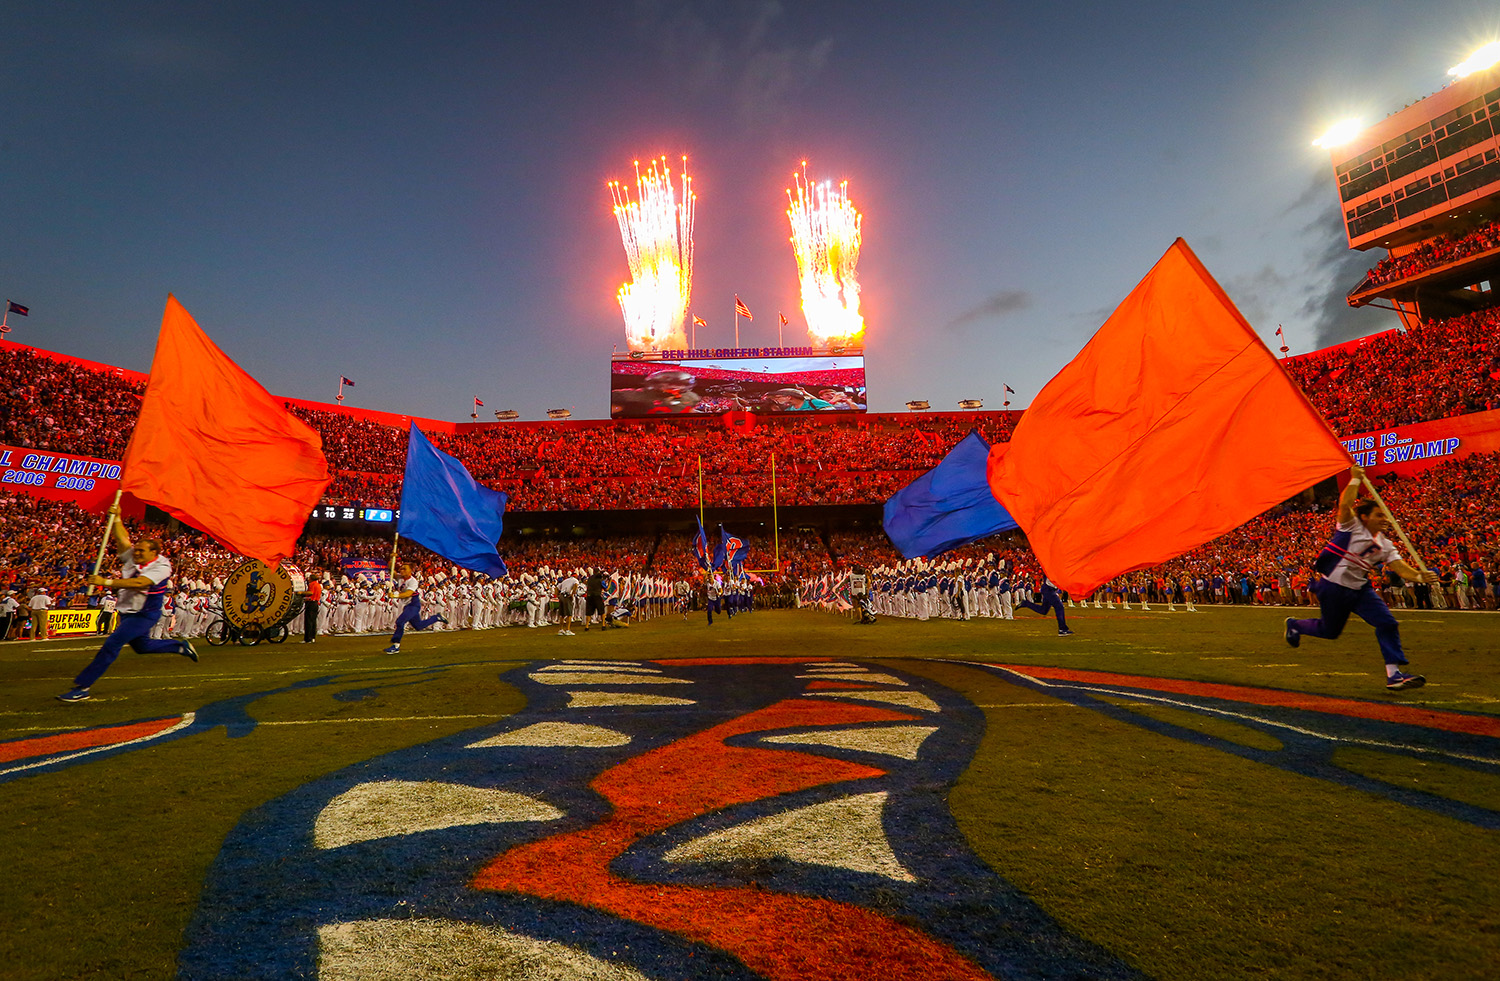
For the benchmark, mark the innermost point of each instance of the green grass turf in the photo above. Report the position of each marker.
(1187, 861)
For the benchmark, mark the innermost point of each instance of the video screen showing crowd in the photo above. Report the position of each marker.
(641, 390)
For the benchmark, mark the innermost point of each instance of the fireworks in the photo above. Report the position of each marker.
(825, 238)
(657, 230)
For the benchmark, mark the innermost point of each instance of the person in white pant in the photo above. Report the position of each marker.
(566, 591)
(533, 605)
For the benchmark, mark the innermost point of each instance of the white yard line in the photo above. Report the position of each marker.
(407, 718)
(187, 720)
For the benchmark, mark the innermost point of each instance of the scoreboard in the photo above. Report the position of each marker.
(350, 512)
(775, 380)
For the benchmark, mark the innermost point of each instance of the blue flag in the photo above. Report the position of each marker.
(949, 505)
(443, 508)
(700, 546)
(719, 553)
(731, 552)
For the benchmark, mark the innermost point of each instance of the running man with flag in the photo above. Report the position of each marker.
(445, 509)
(144, 572)
(411, 591)
(1358, 545)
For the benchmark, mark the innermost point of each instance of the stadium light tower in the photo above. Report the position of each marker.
(1486, 57)
(1339, 133)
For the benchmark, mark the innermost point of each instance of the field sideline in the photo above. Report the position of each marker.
(1165, 795)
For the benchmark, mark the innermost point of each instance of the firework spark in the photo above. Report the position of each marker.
(825, 239)
(657, 230)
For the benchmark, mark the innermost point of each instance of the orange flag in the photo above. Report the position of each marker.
(1174, 425)
(215, 449)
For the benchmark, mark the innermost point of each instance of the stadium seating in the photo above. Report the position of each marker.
(1434, 371)
(1429, 255)
(819, 461)
(1445, 368)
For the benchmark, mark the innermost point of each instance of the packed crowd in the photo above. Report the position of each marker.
(47, 404)
(48, 547)
(1451, 512)
(656, 466)
(1433, 253)
(58, 405)
(1433, 371)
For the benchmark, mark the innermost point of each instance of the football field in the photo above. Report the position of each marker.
(784, 795)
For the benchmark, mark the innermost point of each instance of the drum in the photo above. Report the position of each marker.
(256, 595)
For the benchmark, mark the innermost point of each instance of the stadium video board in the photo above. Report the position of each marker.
(743, 380)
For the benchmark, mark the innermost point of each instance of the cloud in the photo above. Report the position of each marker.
(1334, 269)
(1317, 192)
(730, 51)
(1001, 304)
(1257, 294)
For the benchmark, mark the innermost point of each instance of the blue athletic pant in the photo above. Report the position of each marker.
(412, 613)
(1336, 602)
(1051, 603)
(133, 630)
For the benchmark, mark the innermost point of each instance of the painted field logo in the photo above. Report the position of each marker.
(257, 595)
(775, 818)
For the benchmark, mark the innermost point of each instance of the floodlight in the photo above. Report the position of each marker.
(1338, 134)
(1485, 57)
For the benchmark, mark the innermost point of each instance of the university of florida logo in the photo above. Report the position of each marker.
(774, 818)
(732, 547)
(257, 595)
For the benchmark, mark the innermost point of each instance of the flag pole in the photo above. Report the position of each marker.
(775, 522)
(700, 493)
(1375, 495)
(400, 489)
(109, 527)
(736, 321)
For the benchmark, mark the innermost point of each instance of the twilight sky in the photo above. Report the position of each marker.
(413, 194)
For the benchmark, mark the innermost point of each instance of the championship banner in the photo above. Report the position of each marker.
(1422, 445)
(62, 622)
(86, 481)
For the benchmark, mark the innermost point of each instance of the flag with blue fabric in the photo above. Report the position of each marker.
(700, 546)
(444, 508)
(949, 505)
(720, 552)
(733, 551)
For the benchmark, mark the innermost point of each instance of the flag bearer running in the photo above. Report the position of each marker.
(1346, 562)
(411, 591)
(144, 572)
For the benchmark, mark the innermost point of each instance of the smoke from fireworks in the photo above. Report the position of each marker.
(657, 230)
(825, 239)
